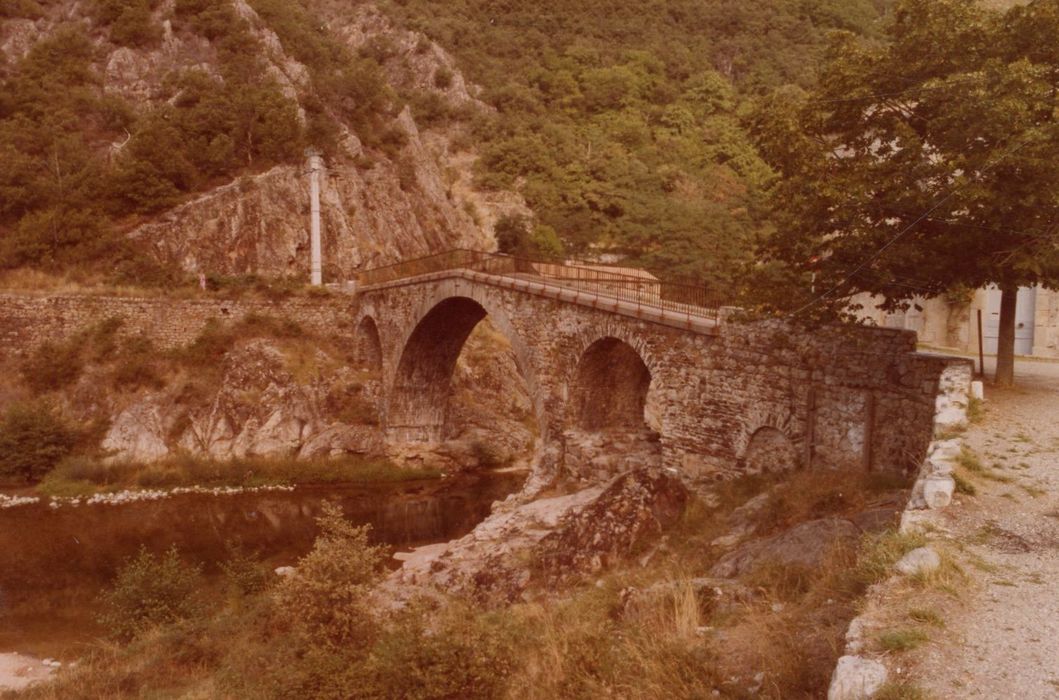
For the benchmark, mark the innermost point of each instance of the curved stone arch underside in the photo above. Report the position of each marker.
(427, 354)
(610, 387)
(584, 340)
(766, 444)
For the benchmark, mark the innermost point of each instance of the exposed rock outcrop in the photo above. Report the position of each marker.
(259, 408)
(377, 207)
(549, 542)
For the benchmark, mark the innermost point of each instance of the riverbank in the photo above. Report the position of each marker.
(86, 477)
(18, 671)
(54, 562)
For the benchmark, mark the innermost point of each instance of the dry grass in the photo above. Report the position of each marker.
(901, 690)
(673, 642)
(899, 640)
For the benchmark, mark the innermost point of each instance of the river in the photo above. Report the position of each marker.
(54, 562)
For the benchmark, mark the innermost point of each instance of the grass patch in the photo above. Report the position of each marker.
(902, 639)
(878, 554)
(999, 478)
(963, 484)
(926, 617)
(969, 460)
(1032, 491)
(83, 476)
(948, 578)
(975, 409)
(950, 432)
(901, 690)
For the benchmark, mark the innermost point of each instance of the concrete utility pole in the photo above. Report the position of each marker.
(315, 166)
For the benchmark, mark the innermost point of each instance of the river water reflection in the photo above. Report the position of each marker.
(55, 562)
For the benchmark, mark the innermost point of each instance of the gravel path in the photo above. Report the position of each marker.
(1003, 641)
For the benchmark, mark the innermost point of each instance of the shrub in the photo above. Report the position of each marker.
(52, 366)
(325, 599)
(244, 573)
(135, 365)
(465, 655)
(150, 591)
(443, 78)
(33, 439)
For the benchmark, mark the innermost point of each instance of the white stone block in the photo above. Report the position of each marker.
(978, 390)
(856, 678)
(921, 560)
(938, 490)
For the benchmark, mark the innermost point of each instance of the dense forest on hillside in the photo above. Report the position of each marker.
(622, 122)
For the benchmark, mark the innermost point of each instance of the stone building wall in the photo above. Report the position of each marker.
(29, 319)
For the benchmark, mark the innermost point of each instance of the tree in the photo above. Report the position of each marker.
(923, 163)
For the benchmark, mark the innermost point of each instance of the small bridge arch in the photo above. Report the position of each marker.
(610, 387)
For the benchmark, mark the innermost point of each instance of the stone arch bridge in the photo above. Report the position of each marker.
(606, 354)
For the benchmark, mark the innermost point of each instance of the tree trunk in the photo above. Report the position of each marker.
(1005, 348)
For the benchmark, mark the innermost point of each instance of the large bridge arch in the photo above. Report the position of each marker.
(425, 357)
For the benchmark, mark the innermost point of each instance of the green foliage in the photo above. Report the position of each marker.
(621, 121)
(130, 21)
(150, 591)
(351, 84)
(921, 164)
(135, 365)
(75, 161)
(466, 655)
(245, 573)
(52, 366)
(902, 639)
(33, 439)
(517, 235)
(325, 599)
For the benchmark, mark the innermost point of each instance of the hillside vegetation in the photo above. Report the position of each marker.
(79, 164)
(621, 122)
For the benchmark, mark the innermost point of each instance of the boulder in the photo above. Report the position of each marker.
(803, 545)
(921, 560)
(634, 508)
(856, 678)
(549, 541)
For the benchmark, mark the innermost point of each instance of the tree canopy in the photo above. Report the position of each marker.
(923, 163)
(622, 122)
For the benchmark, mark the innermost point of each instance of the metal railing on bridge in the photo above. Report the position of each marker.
(632, 288)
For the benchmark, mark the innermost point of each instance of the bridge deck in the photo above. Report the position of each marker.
(692, 319)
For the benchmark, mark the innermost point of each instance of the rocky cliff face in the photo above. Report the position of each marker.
(290, 396)
(377, 207)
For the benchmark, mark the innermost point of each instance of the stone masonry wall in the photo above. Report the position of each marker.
(844, 397)
(28, 319)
